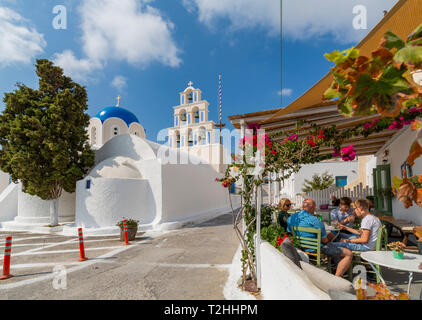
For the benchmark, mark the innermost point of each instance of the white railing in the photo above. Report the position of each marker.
(324, 196)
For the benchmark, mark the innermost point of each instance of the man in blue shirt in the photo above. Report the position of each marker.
(344, 213)
(305, 218)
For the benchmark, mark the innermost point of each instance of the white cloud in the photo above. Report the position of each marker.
(242, 14)
(77, 69)
(125, 30)
(285, 92)
(20, 43)
(119, 82)
(310, 20)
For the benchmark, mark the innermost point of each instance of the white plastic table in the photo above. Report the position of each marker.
(410, 262)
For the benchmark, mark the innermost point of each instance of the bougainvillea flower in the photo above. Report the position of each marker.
(293, 137)
(349, 153)
(336, 153)
(254, 126)
(311, 141)
(321, 134)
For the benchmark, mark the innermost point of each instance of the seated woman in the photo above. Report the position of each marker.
(284, 206)
(364, 239)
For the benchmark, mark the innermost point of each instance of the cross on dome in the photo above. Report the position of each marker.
(118, 101)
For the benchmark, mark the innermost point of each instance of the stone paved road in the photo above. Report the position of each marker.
(191, 263)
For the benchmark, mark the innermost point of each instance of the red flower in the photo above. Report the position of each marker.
(311, 141)
(321, 134)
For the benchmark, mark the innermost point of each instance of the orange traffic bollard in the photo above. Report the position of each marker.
(81, 246)
(125, 230)
(6, 261)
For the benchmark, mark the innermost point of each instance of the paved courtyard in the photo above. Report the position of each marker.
(191, 263)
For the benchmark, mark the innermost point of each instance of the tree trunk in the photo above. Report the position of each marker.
(54, 212)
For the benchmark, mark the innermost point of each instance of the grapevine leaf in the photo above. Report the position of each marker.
(393, 41)
(411, 55)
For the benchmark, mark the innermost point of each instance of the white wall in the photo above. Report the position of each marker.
(369, 171)
(398, 152)
(32, 209)
(4, 180)
(9, 202)
(281, 279)
(190, 190)
(109, 200)
(294, 184)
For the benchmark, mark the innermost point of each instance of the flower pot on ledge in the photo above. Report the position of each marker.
(131, 232)
(398, 254)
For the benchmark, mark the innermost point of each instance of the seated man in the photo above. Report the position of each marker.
(305, 218)
(364, 239)
(344, 213)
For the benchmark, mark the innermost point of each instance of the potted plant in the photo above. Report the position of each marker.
(132, 228)
(397, 248)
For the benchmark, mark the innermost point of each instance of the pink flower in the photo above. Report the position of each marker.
(293, 137)
(349, 154)
(336, 153)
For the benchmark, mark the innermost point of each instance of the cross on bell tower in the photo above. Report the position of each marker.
(190, 83)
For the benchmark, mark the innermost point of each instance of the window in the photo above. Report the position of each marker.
(176, 121)
(195, 97)
(209, 137)
(189, 118)
(88, 184)
(341, 181)
(202, 116)
(183, 99)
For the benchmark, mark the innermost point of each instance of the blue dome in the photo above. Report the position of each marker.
(116, 112)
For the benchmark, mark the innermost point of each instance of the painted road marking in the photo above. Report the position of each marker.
(27, 253)
(52, 243)
(82, 265)
(53, 264)
(184, 265)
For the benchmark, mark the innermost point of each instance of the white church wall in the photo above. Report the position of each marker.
(110, 124)
(109, 200)
(95, 124)
(125, 145)
(190, 190)
(4, 180)
(9, 203)
(32, 209)
(398, 152)
(136, 129)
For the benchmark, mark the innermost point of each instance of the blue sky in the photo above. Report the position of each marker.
(147, 50)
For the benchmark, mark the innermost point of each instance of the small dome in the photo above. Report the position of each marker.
(117, 112)
(116, 167)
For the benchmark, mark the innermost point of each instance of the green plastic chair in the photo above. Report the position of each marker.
(313, 244)
(381, 245)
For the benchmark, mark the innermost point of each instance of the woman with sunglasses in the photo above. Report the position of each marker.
(284, 206)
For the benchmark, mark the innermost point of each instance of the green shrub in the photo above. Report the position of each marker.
(271, 234)
(129, 222)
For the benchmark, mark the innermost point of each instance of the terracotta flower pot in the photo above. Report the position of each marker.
(131, 232)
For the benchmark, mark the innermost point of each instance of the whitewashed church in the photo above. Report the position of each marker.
(134, 177)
